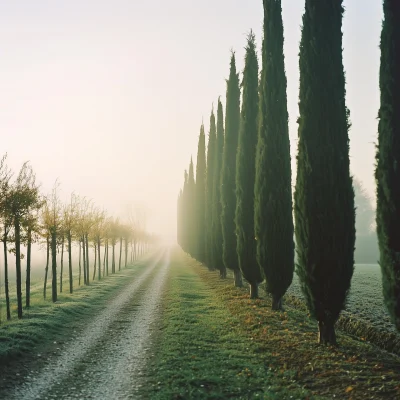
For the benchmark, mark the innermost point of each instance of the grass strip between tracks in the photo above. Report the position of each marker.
(218, 344)
(46, 322)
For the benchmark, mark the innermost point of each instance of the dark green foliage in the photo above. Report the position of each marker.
(273, 190)
(245, 171)
(191, 212)
(228, 178)
(324, 195)
(388, 156)
(210, 191)
(200, 198)
(217, 260)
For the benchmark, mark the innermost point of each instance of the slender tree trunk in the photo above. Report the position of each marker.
(87, 259)
(62, 264)
(80, 265)
(253, 290)
(327, 333)
(84, 260)
(17, 229)
(126, 252)
(54, 266)
(104, 261)
(277, 303)
(134, 250)
(107, 259)
(71, 288)
(46, 270)
(6, 288)
(28, 269)
(222, 273)
(99, 258)
(238, 278)
(95, 261)
(120, 254)
(113, 259)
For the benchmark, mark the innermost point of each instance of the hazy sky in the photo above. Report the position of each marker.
(108, 96)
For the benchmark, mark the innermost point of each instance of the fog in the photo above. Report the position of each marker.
(108, 96)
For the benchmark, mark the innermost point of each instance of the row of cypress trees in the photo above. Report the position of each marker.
(246, 222)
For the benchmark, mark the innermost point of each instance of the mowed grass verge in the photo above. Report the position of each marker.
(218, 344)
(203, 352)
(45, 322)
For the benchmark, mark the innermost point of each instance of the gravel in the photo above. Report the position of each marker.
(106, 360)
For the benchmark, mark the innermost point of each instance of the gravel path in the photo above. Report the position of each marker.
(107, 359)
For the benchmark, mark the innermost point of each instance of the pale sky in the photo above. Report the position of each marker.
(108, 95)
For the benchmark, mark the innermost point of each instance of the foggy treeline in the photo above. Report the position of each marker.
(105, 243)
(237, 209)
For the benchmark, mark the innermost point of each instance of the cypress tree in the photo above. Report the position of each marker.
(185, 214)
(273, 189)
(217, 260)
(210, 190)
(191, 211)
(388, 155)
(200, 198)
(324, 195)
(245, 171)
(228, 179)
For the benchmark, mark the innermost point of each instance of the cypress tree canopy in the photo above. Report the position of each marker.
(245, 171)
(200, 198)
(211, 149)
(228, 179)
(191, 211)
(324, 196)
(388, 155)
(217, 260)
(273, 191)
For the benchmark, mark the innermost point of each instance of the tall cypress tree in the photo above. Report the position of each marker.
(210, 191)
(388, 155)
(228, 179)
(191, 211)
(245, 171)
(200, 198)
(273, 190)
(217, 260)
(324, 195)
(185, 216)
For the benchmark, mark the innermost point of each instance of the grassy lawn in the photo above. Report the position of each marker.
(45, 321)
(218, 344)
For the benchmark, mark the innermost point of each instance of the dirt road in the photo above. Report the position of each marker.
(106, 360)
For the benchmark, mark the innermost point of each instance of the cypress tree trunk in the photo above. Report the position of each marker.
(99, 258)
(201, 198)
(324, 195)
(120, 254)
(46, 270)
(54, 266)
(87, 259)
(107, 259)
(6, 287)
(210, 171)
(71, 282)
(388, 155)
(246, 170)
(104, 260)
(62, 263)
(228, 180)
(217, 239)
(28, 269)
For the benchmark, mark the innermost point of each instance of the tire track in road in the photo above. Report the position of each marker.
(70, 375)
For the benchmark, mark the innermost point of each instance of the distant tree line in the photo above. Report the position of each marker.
(239, 212)
(28, 217)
